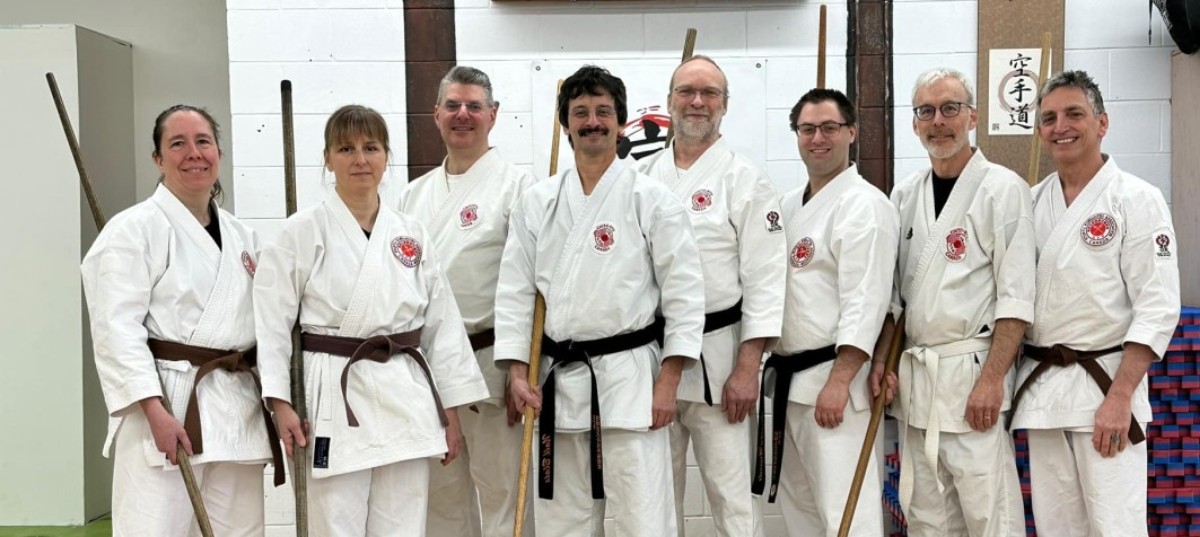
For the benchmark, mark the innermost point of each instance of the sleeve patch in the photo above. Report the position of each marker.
(1164, 246)
(773, 222)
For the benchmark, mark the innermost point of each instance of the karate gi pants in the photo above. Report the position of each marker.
(479, 489)
(716, 444)
(384, 501)
(1078, 493)
(981, 495)
(637, 485)
(147, 500)
(818, 468)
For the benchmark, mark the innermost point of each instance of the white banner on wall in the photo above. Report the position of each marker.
(646, 85)
(1014, 79)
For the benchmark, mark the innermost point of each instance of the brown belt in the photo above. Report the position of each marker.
(208, 360)
(1062, 356)
(376, 349)
(483, 340)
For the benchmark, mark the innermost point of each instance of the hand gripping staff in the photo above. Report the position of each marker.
(185, 464)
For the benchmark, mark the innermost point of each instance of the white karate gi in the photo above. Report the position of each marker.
(734, 211)
(1107, 275)
(467, 217)
(957, 274)
(604, 262)
(154, 272)
(323, 266)
(842, 250)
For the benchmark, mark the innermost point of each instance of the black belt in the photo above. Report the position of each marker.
(482, 340)
(785, 365)
(569, 352)
(207, 360)
(712, 322)
(1063, 356)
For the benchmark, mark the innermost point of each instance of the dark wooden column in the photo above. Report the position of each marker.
(869, 80)
(429, 51)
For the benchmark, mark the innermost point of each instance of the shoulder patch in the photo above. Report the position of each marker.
(1163, 241)
(407, 250)
(773, 222)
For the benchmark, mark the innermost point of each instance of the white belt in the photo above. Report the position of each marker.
(929, 358)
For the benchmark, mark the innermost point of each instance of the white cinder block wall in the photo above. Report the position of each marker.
(352, 51)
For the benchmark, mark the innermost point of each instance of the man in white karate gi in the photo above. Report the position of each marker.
(465, 203)
(734, 211)
(607, 247)
(1107, 305)
(965, 278)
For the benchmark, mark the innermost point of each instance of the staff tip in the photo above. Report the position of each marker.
(285, 85)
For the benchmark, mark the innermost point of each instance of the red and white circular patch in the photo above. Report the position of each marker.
(468, 216)
(701, 200)
(407, 250)
(1098, 230)
(956, 244)
(248, 263)
(605, 237)
(802, 253)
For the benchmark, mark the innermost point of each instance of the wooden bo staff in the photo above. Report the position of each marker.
(821, 50)
(299, 402)
(689, 47)
(1035, 147)
(535, 353)
(185, 463)
(864, 456)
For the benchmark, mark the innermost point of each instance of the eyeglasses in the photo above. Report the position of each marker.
(709, 94)
(926, 112)
(473, 107)
(828, 128)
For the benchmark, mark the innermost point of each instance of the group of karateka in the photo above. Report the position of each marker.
(666, 281)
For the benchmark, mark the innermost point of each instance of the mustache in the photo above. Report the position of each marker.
(587, 131)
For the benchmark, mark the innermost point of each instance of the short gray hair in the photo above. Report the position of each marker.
(933, 75)
(1074, 79)
(462, 74)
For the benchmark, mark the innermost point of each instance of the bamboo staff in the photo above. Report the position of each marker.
(1035, 146)
(821, 50)
(185, 463)
(689, 48)
(864, 456)
(535, 354)
(299, 402)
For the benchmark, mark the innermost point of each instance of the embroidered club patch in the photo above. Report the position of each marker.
(407, 250)
(802, 253)
(1164, 245)
(773, 222)
(248, 263)
(1098, 230)
(701, 200)
(605, 237)
(468, 216)
(956, 244)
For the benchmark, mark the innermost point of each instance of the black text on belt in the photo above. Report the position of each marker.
(785, 365)
(376, 349)
(568, 352)
(1063, 356)
(712, 322)
(207, 360)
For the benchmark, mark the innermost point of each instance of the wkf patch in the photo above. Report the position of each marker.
(605, 237)
(248, 263)
(773, 222)
(1163, 241)
(468, 216)
(407, 250)
(802, 253)
(956, 244)
(701, 200)
(1098, 230)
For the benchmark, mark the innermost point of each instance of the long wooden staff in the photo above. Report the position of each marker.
(864, 456)
(535, 355)
(299, 402)
(821, 50)
(1035, 149)
(689, 47)
(185, 463)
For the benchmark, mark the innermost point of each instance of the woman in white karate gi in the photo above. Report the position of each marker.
(387, 359)
(168, 285)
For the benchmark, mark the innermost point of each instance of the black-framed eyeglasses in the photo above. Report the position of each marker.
(828, 128)
(926, 112)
